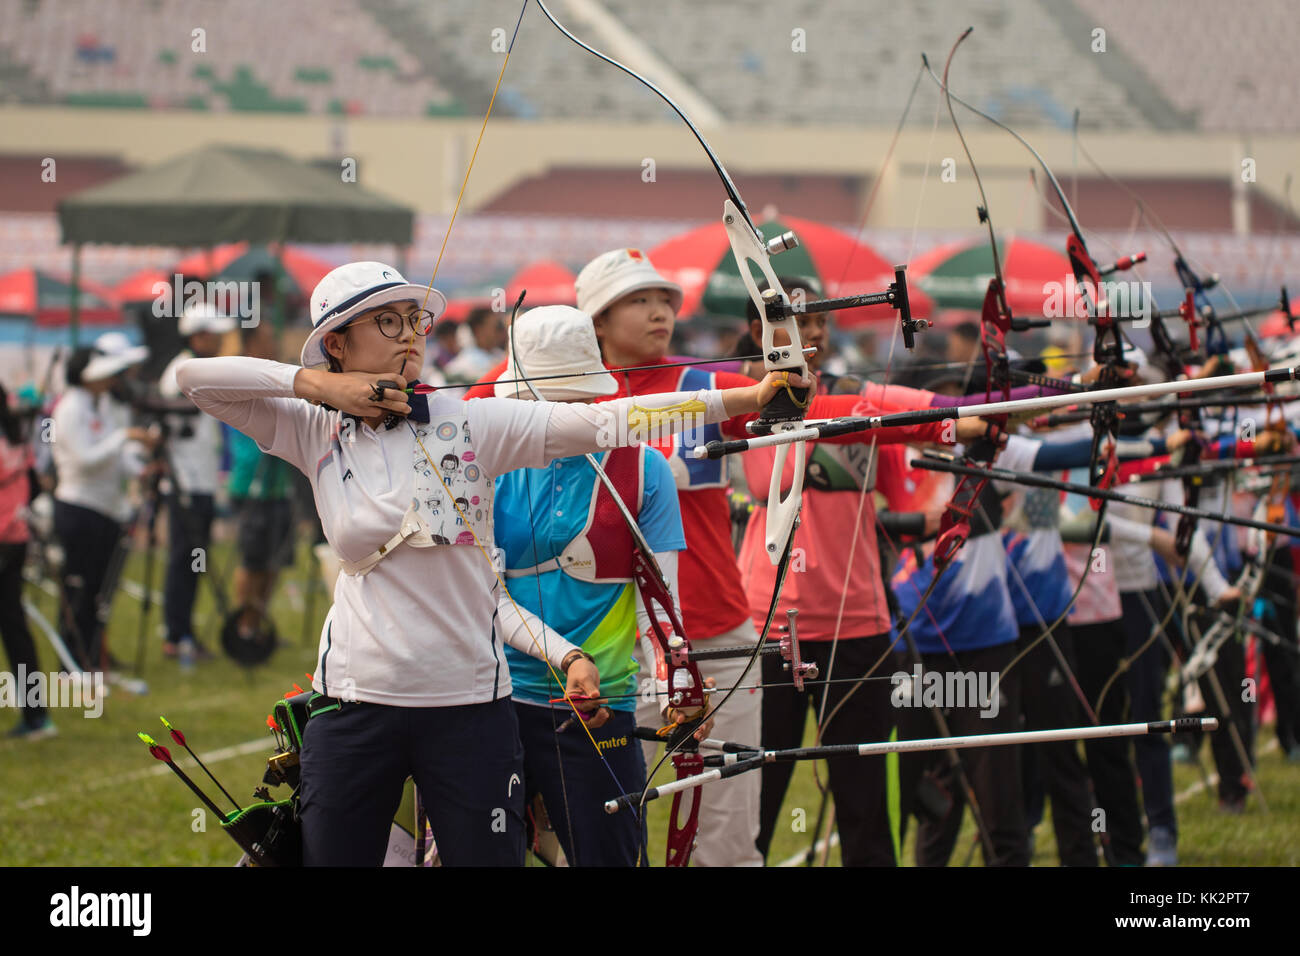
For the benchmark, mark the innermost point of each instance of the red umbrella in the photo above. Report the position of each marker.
(957, 274)
(1275, 324)
(240, 261)
(209, 262)
(700, 261)
(139, 286)
(547, 282)
(47, 299)
(458, 310)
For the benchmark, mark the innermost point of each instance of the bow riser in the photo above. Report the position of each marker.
(787, 409)
(681, 832)
(658, 601)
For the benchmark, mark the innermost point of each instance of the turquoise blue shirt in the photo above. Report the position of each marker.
(540, 510)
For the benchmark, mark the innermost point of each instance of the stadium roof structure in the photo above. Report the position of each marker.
(230, 194)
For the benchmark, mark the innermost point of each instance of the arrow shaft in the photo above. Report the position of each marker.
(1217, 466)
(1041, 481)
(924, 416)
(1079, 415)
(221, 815)
(428, 389)
(211, 777)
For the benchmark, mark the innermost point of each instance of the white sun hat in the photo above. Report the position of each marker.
(555, 340)
(353, 288)
(114, 353)
(614, 274)
(204, 317)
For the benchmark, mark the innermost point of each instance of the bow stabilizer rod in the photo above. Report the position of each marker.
(925, 416)
(751, 760)
(1041, 481)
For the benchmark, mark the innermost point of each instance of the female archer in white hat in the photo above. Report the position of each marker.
(569, 557)
(96, 452)
(410, 679)
(634, 309)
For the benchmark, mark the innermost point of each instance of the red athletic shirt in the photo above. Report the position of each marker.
(712, 596)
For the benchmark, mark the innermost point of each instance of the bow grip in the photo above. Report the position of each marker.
(949, 543)
(1183, 535)
(788, 405)
(682, 828)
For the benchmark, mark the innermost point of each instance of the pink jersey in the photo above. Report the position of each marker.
(15, 491)
(834, 577)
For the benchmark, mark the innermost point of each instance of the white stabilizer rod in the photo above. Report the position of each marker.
(742, 762)
(1037, 404)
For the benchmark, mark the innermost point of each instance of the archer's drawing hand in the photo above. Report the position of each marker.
(357, 393)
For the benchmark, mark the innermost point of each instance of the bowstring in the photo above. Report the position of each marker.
(1178, 582)
(873, 449)
(542, 645)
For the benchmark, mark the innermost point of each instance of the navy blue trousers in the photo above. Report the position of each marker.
(1146, 691)
(89, 540)
(575, 783)
(189, 524)
(466, 760)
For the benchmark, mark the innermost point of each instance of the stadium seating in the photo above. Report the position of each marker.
(1229, 65)
(802, 61)
(289, 56)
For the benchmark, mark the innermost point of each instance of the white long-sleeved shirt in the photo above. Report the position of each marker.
(94, 458)
(196, 457)
(422, 629)
(1130, 535)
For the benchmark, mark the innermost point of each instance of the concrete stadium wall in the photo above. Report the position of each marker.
(422, 161)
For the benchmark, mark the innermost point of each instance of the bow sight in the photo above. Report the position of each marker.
(895, 296)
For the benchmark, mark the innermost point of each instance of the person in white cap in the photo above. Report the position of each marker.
(410, 679)
(634, 309)
(194, 459)
(568, 558)
(96, 452)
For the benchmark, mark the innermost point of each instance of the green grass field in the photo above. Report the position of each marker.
(93, 796)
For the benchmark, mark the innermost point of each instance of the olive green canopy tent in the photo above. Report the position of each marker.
(229, 194)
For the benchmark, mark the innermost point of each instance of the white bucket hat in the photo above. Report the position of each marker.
(114, 353)
(555, 340)
(204, 317)
(612, 275)
(353, 288)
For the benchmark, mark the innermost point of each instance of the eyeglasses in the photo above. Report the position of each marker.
(391, 323)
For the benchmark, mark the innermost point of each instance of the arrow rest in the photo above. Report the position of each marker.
(800, 670)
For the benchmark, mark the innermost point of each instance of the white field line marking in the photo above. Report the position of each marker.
(159, 769)
(798, 858)
(1213, 778)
